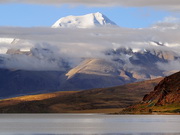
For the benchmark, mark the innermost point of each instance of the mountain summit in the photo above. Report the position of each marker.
(85, 21)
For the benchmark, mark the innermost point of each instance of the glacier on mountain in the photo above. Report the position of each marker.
(85, 21)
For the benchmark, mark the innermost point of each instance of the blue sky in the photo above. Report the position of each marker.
(30, 15)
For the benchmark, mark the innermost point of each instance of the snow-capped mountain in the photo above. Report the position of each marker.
(85, 21)
(54, 59)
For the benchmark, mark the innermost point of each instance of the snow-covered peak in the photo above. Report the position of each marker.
(86, 21)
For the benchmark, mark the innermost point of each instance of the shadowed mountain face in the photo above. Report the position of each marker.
(18, 82)
(97, 100)
(164, 98)
(122, 66)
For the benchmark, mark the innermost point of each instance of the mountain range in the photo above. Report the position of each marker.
(164, 99)
(27, 67)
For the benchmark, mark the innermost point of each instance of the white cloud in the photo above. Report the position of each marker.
(73, 45)
(167, 4)
(168, 23)
(170, 19)
(30, 63)
(170, 66)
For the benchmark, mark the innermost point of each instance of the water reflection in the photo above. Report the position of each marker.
(88, 124)
(110, 134)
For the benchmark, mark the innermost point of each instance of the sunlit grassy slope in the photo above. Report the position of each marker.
(106, 100)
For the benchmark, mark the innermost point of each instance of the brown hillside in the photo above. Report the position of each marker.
(106, 100)
(167, 91)
(164, 98)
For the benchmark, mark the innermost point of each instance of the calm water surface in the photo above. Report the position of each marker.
(88, 124)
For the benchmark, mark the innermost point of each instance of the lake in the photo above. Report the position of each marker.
(88, 124)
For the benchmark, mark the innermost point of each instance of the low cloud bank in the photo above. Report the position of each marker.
(54, 49)
(170, 66)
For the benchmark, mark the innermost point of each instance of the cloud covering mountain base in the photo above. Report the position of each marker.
(76, 59)
(73, 45)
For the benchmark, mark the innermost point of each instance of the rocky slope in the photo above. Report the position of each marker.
(166, 92)
(164, 98)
